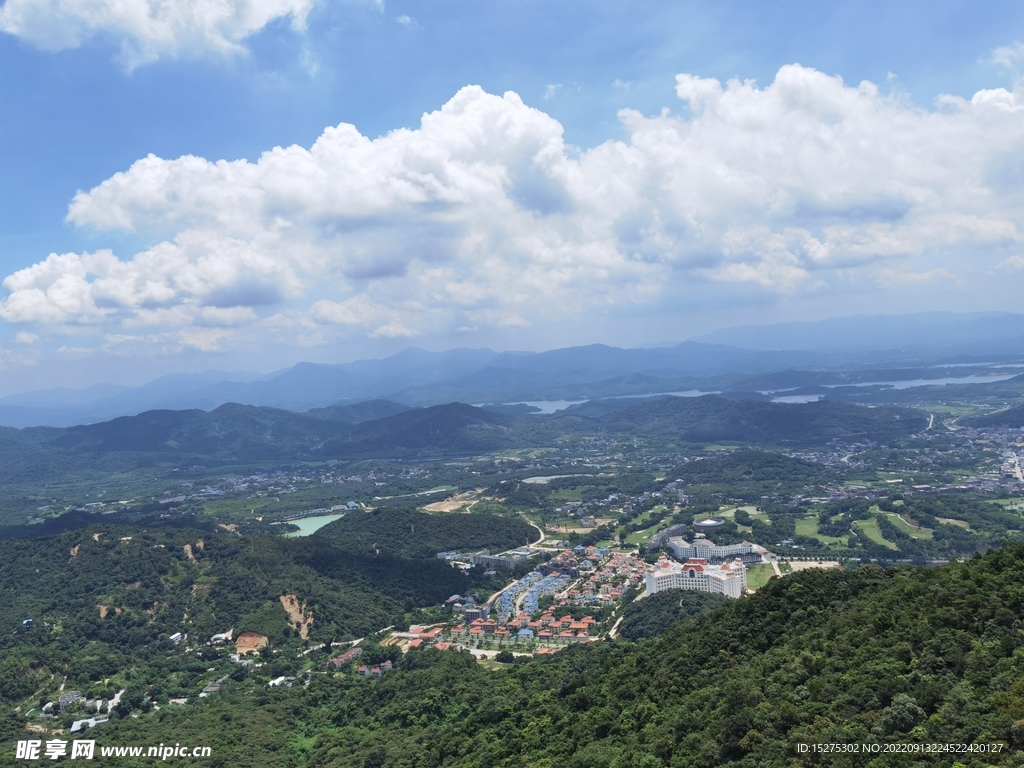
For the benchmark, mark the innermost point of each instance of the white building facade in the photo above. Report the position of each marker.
(728, 579)
(705, 549)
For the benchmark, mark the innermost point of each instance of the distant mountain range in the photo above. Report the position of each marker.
(951, 332)
(738, 360)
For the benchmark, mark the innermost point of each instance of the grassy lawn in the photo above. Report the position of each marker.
(870, 529)
(641, 537)
(1012, 505)
(758, 575)
(750, 509)
(907, 528)
(808, 526)
(950, 521)
(785, 568)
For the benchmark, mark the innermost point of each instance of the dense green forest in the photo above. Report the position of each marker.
(906, 655)
(655, 614)
(408, 533)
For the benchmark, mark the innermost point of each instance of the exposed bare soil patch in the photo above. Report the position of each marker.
(250, 642)
(300, 619)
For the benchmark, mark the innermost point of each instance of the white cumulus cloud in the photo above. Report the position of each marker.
(482, 217)
(148, 29)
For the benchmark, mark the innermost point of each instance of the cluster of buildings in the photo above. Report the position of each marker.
(523, 627)
(486, 559)
(728, 579)
(608, 582)
(377, 671)
(551, 584)
(74, 701)
(507, 600)
(347, 657)
(506, 560)
(705, 549)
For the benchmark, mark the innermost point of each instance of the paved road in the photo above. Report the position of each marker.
(540, 531)
(480, 653)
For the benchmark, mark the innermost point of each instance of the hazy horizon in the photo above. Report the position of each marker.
(314, 183)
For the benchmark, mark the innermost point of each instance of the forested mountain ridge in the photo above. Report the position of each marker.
(241, 433)
(408, 533)
(874, 656)
(1008, 417)
(710, 418)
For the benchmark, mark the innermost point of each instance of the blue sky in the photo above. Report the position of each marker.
(86, 97)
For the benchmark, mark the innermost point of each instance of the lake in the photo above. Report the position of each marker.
(308, 525)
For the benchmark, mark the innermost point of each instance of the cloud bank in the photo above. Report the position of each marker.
(148, 29)
(483, 217)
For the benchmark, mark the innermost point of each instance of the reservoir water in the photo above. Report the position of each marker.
(308, 525)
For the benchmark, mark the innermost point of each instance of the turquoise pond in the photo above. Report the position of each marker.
(308, 525)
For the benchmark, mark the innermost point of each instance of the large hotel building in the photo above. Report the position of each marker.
(729, 579)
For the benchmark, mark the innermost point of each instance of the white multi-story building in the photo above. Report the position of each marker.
(729, 579)
(705, 549)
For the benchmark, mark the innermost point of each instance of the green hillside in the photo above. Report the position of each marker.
(408, 533)
(117, 593)
(888, 657)
(1008, 417)
(712, 418)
